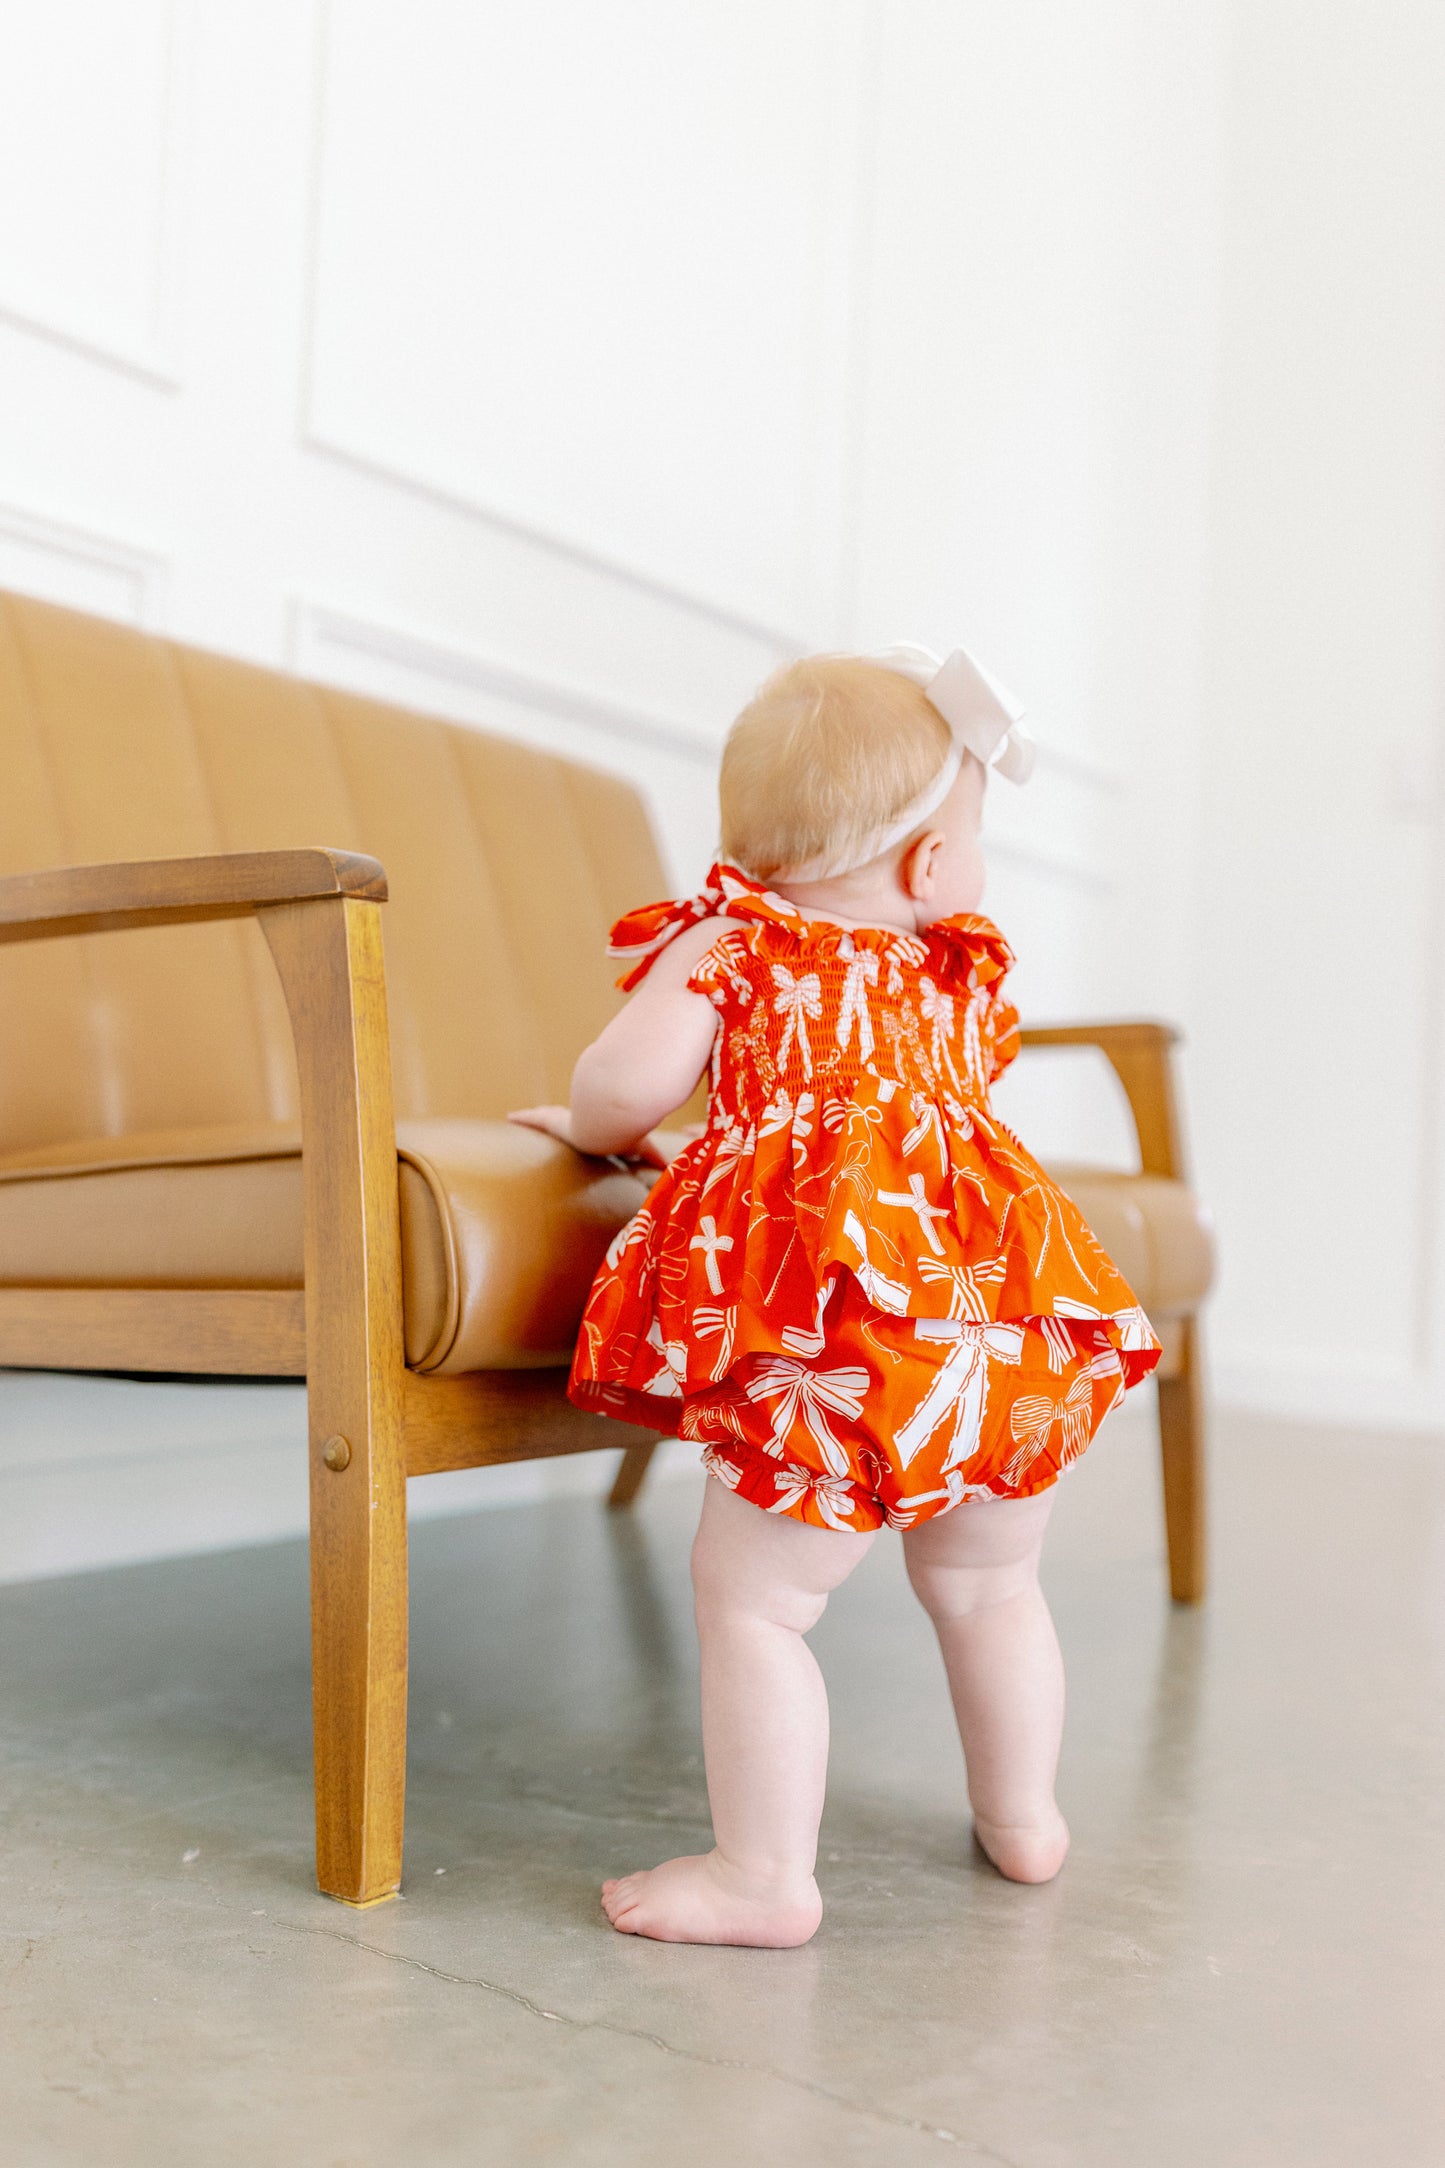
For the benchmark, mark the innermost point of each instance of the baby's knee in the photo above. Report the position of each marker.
(956, 1591)
(978, 1555)
(723, 1595)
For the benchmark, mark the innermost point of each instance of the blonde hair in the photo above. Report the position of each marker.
(825, 755)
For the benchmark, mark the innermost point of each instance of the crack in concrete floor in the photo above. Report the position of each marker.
(979, 2153)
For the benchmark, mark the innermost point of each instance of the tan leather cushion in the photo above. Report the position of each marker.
(502, 1232)
(1157, 1232)
(501, 1229)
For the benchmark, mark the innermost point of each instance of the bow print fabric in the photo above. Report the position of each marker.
(797, 1000)
(856, 1290)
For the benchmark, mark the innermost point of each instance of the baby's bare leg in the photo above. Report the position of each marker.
(975, 1571)
(761, 1580)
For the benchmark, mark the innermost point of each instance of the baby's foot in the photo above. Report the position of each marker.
(1025, 1851)
(702, 1899)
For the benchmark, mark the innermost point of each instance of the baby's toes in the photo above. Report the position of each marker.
(618, 1897)
(620, 1902)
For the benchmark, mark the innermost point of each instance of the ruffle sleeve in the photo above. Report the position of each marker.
(979, 951)
(640, 938)
(1006, 1039)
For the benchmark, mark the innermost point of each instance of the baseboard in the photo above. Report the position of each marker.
(99, 1472)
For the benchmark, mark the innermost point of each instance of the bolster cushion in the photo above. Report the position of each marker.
(501, 1228)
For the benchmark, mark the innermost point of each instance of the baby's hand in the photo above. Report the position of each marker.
(552, 1121)
(557, 1122)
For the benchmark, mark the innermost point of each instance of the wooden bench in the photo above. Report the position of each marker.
(233, 1142)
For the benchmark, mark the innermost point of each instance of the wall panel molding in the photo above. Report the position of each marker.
(1051, 864)
(781, 642)
(154, 365)
(318, 629)
(155, 358)
(82, 567)
(819, 518)
(1063, 824)
(314, 628)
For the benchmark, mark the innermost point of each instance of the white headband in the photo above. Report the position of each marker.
(983, 718)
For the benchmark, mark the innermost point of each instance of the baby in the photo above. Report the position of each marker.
(855, 1290)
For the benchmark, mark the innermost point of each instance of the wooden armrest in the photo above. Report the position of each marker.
(1129, 1031)
(177, 891)
(1139, 1051)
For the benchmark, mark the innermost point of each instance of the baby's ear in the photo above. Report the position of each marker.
(916, 871)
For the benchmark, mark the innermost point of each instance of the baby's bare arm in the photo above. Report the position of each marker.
(646, 1062)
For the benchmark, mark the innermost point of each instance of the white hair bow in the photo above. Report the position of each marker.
(983, 716)
(982, 719)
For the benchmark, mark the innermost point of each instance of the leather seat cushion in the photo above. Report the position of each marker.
(501, 1229)
(1156, 1230)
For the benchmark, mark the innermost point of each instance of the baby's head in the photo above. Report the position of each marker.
(820, 768)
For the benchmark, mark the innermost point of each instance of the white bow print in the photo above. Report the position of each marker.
(883, 1293)
(832, 1495)
(667, 1384)
(1132, 1324)
(973, 1017)
(798, 999)
(937, 1010)
(966, 1285)
(959, 1387)
(862, 973)
(797, 1339)
(708, 1319)
(636, 1230)
(1033, 1416)
(729, 1149)
(953, 1493)
(814, 1394)
(928, 1124)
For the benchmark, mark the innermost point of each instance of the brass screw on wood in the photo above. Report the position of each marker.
(337, 1454)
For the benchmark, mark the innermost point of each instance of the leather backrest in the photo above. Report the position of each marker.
(506, 868)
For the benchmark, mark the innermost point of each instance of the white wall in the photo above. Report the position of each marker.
(1031, 457)
(561, 368)
(1318, 918)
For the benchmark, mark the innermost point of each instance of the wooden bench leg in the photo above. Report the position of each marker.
(636, 1460)
(1181, 1438)
(329, 959)
(358, 1669)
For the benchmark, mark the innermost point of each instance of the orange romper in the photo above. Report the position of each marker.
(856, 1289)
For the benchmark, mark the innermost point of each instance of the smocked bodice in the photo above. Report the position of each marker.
(809, 1010)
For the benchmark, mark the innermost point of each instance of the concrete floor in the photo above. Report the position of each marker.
(1242, 1966)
